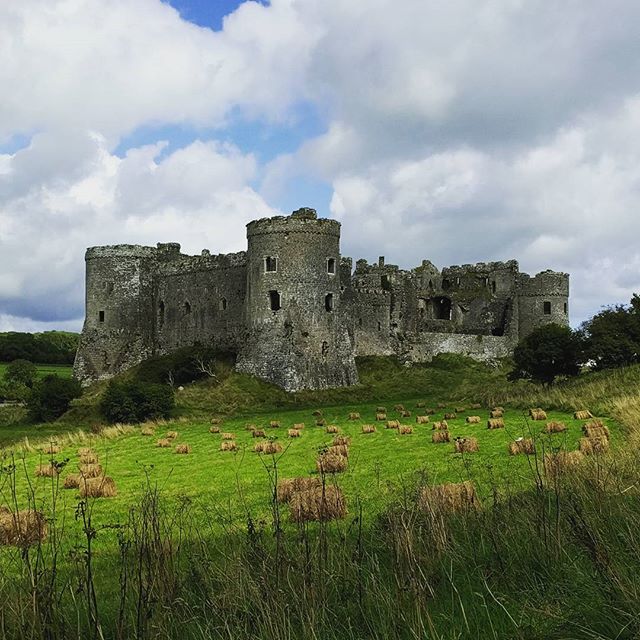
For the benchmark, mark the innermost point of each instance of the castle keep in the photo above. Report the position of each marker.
(295, 312)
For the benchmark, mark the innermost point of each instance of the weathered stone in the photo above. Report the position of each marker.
(293, 311)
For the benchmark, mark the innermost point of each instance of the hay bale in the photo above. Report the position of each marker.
(250, 427)
(381, 409)
(48, 470)
(440, 436)
(398, 407)
(71, 481)
(522, 446)
(555, 427)
(448, 497)
(473, 420)
(496, 414)
(214, 429)
(288, 486)
(90, 470)
(319, 504)
(85, 451)
(440, 425)
(51, 449)
(466, 445)
(537, 414)
(228, 445)
(339, 449)
(584, 414)
(405, 429)
(183, 448)
(258, 447)
(562, 461)
(450, 416)
(475, 405)
(228, 436)
(422, 420)
(329, 462)
(147, 431)
(380, 417)
(100, 487)
(405, 414)
(293, 433)
(298, 426)
(317, 413)
(163, 443)
(595, 429)
(271, 448)
(354, 416)
(595, 444)
(420, 405)
(216, 420)
(495, 423)
(89, 458)
(171, 435)
(341, 440)
(22, 528)
(368, 428)
(332, 428)
(429, 412)
(320, 422)
(258, 433)
(460, 409)
(498, 409)
(393, 424)
(274, 424)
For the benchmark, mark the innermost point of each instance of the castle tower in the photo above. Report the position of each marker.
(297, 331)
(543, 299)
(117, 332)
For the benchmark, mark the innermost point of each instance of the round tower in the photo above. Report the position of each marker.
(298, 336)
(543, 299)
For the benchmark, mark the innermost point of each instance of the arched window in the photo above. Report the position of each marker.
(442, 308)
(274, 300)
(222, 305)
(328, 302)
(270, 264)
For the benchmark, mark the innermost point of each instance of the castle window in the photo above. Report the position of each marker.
(328, 302)
(442, 308)
(108, 287)
(101, 316)
(493, 286)
(331, 265)
(270, 264)
(565, 308)
(445, 284)
(384, 281)
(325, 349)
(222, 305)
(485, 282)
(187, 308)
(274, 300)
(547, 308)
(161, 308)
(379, 326)
(359, 322)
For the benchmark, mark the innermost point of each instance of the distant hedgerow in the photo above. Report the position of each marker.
(134, 401)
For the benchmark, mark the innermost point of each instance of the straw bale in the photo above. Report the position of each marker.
(562, 461)
(332, 428)
(555, 427)
(466, 445)
(90, 470)
(449, 497)
(183, 448)
(368, 428)
(22, 528)
(440, 436)
(398, 407)
(422, 420)
(405, 429)
(339, 449)
(89, 458)
(495, 423)
(440, 425)
(228, 436)
(381, 416)
(537, 414)
(320, 422)
(288, 486)
(298, 426)
(216, 420)
(405, 414)
(594, 444)
(258, 433)
(497, 414)
(293, 433)
(584, 414)
(163, 443)
(473, 420)
(99, 487)
(450, 416)
(71, 481)
(274, 424)
(338, 440)
(228, 445)
(595, 429)
(522, 445)
(171, 435)
(319, 504)
(214, 429)
(393, 424)
(48, 470)
(354, 415)
(329, 462)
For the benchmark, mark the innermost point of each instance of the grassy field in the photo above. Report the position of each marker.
(62, 370)
(194, 546)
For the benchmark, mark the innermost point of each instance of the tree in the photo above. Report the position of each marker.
(612, 337)
(51, 397)
(547, 352)
(21, 372)
(135, 401)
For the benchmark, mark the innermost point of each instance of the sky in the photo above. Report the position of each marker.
(458, 131)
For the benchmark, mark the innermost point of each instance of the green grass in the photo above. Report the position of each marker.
(62, 370)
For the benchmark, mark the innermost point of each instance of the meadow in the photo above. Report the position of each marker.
(197, 546)
(62, 370)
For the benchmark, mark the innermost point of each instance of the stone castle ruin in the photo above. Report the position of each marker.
(295, 312)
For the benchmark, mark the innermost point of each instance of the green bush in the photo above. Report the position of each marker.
(134, 401)
(51, 397)
(21, 372)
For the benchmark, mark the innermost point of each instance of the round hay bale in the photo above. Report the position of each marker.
(214, 429)
(171, 435)
(163, 443)
(440, 436)
(473, 420)
(393, 424)
(319, 504)
(288, 486)
(422, 420)
(48, 470)
(405, 429)
(583, 414)
(258, 433)
(22, 528)
(332, 428)
(90, 470)
(368, 428)
(440, 425)
(380, 417)
(293, 433)
(495, 423)
(466, 445)
(100, 487)
(183, 448)
(555, 427)
(274, 424)
(71, 481)
(448, 497)
(330, 462)
(354, 416)
(228, 436)
(228, 445)
(341, 440)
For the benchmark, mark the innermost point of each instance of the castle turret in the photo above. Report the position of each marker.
(118, 327)
(543, 299)
(298, 335)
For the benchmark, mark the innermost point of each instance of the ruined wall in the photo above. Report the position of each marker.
(302, 341)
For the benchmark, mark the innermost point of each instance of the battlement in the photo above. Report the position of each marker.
(301, 221)
(120, 251)
(546, 283)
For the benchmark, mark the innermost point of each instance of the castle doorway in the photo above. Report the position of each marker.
(442, 308)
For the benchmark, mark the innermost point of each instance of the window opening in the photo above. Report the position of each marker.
(328, 302)
(187, 308)
(101, 316)
(547, 308)
(442, 308)
(331, 265)
(161, 312)
(274, 300)
(565, 308)
(223, 304)
(493, 286)
(271, 264)
(325, 349)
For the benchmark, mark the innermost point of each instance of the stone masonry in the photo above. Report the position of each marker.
(295, 312)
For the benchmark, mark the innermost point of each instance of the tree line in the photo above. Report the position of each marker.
(50, 347)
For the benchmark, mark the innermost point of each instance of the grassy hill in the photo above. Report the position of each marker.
(195, 545)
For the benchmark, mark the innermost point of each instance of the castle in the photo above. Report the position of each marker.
(295, 312)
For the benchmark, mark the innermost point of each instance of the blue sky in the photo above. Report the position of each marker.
(458, 132)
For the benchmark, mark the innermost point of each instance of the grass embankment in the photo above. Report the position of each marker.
(213, 556)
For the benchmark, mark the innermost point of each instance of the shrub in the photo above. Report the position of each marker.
(133, 401)
(21, 372)
(51, 397)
